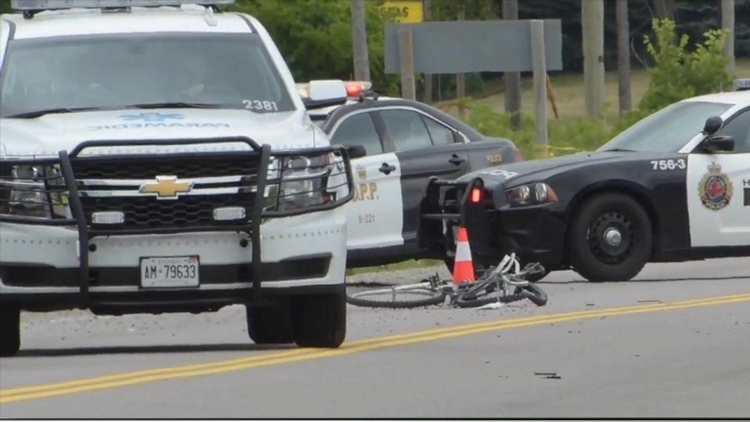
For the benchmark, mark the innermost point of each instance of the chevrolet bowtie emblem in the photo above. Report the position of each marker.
(166, 187)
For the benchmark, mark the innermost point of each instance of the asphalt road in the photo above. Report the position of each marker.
(673, 343)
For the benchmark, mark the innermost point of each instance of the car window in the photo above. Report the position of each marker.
(407, 129)
(667, 130)
(439, 133)
(358, 129)
(739, 129)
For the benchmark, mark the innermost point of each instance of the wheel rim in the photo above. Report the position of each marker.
(611, 238)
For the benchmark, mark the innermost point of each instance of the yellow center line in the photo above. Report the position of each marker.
(297, 355)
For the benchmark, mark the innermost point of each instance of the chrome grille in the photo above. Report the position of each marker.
(108, 184)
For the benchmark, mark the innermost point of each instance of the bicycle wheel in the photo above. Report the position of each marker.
(476, 300)
(481, 296)
(535, 294)
(397, 299)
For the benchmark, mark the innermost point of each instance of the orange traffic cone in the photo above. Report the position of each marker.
(463, 266)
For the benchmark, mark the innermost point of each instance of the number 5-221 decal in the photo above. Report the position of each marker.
(669, 164)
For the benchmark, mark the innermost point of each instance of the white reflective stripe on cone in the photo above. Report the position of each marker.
(463, 252)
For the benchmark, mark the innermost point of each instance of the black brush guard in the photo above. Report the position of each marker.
(261, 154)
(446, 205)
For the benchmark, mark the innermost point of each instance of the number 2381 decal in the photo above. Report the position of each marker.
(260, 105)
(669, 164)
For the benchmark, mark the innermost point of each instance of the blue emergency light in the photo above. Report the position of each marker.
(38, 5)
(742, 85)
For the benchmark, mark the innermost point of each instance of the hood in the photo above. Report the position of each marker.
(49, 134)
(520, 172)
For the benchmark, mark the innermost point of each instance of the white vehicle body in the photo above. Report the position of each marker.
(730, 228)
(302, 249)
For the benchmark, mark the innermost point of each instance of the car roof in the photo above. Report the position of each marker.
(737, 98)
(187, 18)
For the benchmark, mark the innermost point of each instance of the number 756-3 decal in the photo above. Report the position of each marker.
(678, 164)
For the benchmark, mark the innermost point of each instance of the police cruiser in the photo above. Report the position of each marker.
(673, 187)
(156, 157)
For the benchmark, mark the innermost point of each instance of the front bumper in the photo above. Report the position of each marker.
(74, 263)
(534, 233)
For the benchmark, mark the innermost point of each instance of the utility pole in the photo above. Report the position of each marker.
(359, 41)
(623, 56)
(461, 77)
(592, 20)
(512, 79)
(427, 14)
(727, 22)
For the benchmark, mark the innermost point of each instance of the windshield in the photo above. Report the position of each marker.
(230, 71)
(667, 130)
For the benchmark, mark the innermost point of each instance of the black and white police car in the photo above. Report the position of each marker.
(396, 145)
(673, 187)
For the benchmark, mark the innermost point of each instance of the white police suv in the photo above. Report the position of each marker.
(156, 157)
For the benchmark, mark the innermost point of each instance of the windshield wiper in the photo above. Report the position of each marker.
(173, 105)
(619, 150)
(40, 113)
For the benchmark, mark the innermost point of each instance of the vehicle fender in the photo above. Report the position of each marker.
(490, 152)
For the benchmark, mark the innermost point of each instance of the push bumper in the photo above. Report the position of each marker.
(534, 233)
(72, 262)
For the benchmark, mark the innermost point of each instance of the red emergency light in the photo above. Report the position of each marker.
(354, 88)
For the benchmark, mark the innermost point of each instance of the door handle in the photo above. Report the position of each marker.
(455, 159)
(387, 168)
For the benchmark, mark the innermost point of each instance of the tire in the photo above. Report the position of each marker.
(319, 320)
(419, 298)
(532, 292)
(533, 278)
(535, 294)
(484, 293)
(10, 330)
(269, 324)
(595, 259)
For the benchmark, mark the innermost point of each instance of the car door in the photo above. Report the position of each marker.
(425, 147)
(371, 220)
(718, 187)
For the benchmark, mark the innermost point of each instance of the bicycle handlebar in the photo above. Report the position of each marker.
(511, 260)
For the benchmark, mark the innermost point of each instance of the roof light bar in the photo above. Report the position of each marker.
(742, 85)
(353, 88)
(34, 5)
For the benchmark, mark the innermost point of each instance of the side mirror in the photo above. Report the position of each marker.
(712, 125)
(720, 143)
(325, 93)
(356, 151)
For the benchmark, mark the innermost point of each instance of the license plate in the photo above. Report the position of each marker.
(173, 271)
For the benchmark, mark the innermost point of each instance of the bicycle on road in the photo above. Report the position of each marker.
(496, 285)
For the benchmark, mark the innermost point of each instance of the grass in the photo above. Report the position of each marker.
(568, 91)
(404, 265)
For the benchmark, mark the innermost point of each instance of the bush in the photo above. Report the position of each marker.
(678, 74)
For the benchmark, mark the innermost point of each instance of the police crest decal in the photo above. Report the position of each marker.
(715, 188)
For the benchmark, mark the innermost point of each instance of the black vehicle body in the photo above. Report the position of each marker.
(468, 151)
(541, 232)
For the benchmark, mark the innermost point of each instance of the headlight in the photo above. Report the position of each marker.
(33, 191)
(301, 182)
(531, 194)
